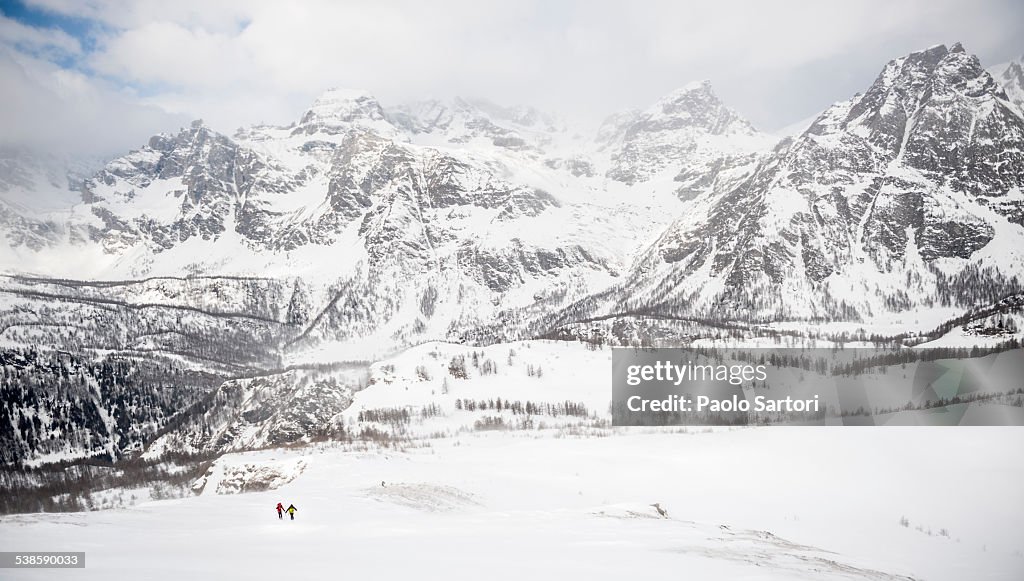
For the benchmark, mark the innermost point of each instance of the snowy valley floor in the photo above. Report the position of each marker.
(752, 503)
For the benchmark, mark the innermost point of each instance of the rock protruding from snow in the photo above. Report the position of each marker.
(337, 111)
(233, 475)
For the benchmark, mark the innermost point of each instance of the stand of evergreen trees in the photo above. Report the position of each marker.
(57, 404)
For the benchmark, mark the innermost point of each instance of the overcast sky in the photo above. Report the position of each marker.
(100, 76)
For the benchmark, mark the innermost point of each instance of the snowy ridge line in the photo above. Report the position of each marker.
(141, 306)
(185, 355)
(28, 279)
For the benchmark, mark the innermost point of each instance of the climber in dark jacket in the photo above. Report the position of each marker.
(291, 511)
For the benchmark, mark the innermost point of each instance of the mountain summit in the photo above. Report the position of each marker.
(688, 131)
(338, 110)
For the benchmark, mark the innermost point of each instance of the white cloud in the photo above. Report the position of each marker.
(48, 42)
(237, 62)
(171, 54)
(63, 112)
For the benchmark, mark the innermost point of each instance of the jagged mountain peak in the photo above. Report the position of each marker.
(932, 96)
(1010, 76)
(916, 73)
(196, 184)
(688, 132)
(1013, 72)
(338, 110)
(190, 136)
(694, 105)
(913, 73)
(688, 94)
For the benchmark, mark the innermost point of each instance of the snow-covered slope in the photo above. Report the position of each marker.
(768, 503)
(38, 192)
(339, 110)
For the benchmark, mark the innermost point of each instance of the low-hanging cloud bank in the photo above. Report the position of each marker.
(101, 74)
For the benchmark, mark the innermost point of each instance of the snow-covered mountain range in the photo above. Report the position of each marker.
(448, 213)
(361, 229)
(415, 223)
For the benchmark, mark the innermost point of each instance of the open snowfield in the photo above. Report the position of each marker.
(751, 503)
